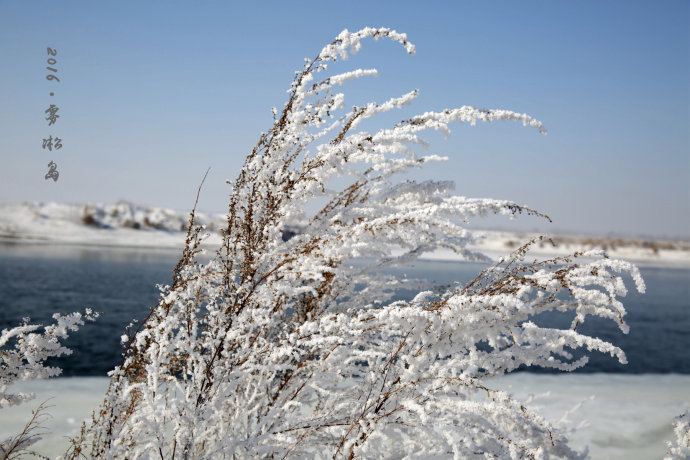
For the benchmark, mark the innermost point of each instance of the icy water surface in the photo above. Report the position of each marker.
(37, 281)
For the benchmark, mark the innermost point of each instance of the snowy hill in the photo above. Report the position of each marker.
(119, 224)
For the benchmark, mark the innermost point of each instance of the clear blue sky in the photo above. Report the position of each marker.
(153, 93)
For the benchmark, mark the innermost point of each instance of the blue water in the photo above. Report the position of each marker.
(37, 281)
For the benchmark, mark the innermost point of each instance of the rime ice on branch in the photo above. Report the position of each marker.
(283, 349)
(679, 448)
(23, 353)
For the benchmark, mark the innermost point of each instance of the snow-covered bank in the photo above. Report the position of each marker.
(496, 244)
(128, 225)
(621, 416)
(122, 224)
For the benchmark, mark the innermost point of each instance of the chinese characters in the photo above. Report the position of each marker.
(49, 143)
(52, 173)
(52, 114)
(52, 142)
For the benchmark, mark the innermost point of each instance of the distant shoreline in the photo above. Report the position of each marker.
(125, 225)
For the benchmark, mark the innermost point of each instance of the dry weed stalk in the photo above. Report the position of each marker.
(283, 349)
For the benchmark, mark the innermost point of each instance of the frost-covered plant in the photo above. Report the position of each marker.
(281, 348)
(679, 448)
(24, 351)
